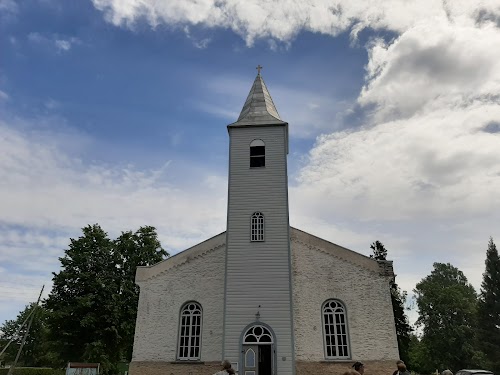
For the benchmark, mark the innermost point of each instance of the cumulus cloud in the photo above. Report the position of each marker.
(284, 19)
(429, 147)
(440, 163)
(426, 164)
(280, 20)
(433, 65)
(431, 144)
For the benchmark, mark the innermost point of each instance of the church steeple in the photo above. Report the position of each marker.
(259, 108)
(257, 292)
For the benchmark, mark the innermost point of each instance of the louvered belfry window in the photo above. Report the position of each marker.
(190, 332)
(257, 227)
(335, 330)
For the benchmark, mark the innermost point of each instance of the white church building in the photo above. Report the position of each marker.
(272, 299)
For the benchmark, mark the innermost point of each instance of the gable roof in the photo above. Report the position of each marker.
(144, 273)
(383, 268)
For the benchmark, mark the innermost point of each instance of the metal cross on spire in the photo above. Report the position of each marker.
(259, 68)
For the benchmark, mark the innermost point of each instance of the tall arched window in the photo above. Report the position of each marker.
(190, 332)
(257, 153)
(335, 333)
(257, 227)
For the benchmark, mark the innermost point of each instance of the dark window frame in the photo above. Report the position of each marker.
(257, 154)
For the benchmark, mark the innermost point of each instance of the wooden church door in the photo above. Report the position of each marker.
(257, 360)
(250, 360)
(258, 351)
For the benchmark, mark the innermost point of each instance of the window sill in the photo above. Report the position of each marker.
(336, 360)
(187, 362)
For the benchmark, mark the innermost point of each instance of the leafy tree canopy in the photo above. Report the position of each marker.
(447, 312)
(36, 351)
(93, 303)
(489, 309)
(398, 299)
(379, 251)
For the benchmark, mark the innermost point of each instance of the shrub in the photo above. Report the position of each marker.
(33, 371)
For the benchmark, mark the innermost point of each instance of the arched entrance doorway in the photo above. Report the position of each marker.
(258, 351)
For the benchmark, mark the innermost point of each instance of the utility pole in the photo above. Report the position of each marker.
(12, 368)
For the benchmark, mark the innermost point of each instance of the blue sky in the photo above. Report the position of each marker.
(114, 112)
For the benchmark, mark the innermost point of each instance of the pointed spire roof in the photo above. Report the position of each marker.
(259, 108)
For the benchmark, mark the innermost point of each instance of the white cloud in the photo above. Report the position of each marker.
(35, 37)
(283, 19)
(59, 191)
(280, 20)
(441, 163)
(426, 165)
(8, 7)
(47, 195)
(435, 64)
(198, 42)
(3, 95)
(61, 44)
(431, 147)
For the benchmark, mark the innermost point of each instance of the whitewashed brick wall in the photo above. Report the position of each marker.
(199, 279)
(318, 276)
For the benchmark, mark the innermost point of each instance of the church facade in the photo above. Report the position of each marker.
(270, 298)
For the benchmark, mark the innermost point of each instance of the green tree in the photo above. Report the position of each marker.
(36, 350)
(418, 354)
(398, 299)
(141, 248)
(447, 311)
(403, 328)
(379, 251)
(489, 309)
(93, 302)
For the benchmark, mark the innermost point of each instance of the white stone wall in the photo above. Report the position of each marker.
(318, 276)
(320, 271)
(197, 278)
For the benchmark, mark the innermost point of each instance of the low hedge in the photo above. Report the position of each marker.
(33, 371)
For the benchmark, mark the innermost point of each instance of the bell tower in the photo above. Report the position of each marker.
(258, 324)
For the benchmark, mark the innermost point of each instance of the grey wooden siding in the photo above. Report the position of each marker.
(258, 273)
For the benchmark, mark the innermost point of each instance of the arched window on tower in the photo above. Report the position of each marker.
(190, 332)
(257, 153)
(335, 335)
(257, 227)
